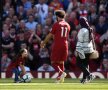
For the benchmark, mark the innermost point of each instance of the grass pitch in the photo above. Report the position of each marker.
(48, 84)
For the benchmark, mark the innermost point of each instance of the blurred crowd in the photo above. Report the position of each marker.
(26, 22)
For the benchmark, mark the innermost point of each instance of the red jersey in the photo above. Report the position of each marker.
(19, 61)
(60, 30)
(16, 63)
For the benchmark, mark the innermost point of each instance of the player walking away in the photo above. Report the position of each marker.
(84, 48)
(59, 33)
(18, 62)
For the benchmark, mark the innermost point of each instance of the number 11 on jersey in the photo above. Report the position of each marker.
(63, 31)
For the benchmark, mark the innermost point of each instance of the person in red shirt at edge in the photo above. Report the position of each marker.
(60, 32)
(18, 61)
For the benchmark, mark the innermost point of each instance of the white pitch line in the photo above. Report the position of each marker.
(29, 84)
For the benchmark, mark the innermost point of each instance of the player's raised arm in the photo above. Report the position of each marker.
(48, 37)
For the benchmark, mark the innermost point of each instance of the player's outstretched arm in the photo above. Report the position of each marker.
(48, 37)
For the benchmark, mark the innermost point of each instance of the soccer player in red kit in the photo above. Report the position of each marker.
(19, 61)
(60, 32)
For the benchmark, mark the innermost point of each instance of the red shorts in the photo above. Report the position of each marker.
(59, 54)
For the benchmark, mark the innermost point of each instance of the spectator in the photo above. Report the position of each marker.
(5, 60)
(13, 33)
(45, 67)
(96, 38)
(51, 16)
(101, 26)
(28, 13)
(27, 69)
(6, 10)
(102, 7)
(34, 48)
(105, 56)
(11, 12)
(56, 5)
(21, 27)
(83, 11)
(73, 4)
(27, 4)
(49, 22)
(44, 56)
(34, 38)
(65, 4)
(73, 40)
(88, 3)
(5, 27)
(20, 12)
(70, 64)
(8, 21)
(42, 9)
(104, 37)
(92, 16)
(31, 24)
(106, 6)
(73, 21)
(39, 30)
(7, 42)
(35, 13)
(20, 39)
(15, 21)
(46, 30)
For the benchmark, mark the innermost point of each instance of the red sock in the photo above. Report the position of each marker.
(61, 66)
(55, 66)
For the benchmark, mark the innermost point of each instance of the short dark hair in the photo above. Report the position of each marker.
(60, 13)
(83, 22)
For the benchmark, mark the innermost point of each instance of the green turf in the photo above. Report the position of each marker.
(48, 84)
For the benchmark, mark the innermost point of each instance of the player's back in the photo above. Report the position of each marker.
(62, 29)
